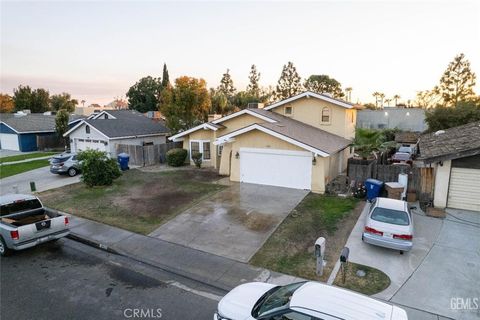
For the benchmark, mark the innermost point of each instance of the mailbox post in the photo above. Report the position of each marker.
(320, 253)
(344, 261)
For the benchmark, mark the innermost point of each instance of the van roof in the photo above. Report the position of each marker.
(392, 204)
(337, 302)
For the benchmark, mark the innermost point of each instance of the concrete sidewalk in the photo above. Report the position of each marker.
(201, 266)
(26, 160)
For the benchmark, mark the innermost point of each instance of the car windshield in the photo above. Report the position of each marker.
(390, 216)
(19, 206)
(59, 159)
(275, 299)
(405, 149)
(401, 156)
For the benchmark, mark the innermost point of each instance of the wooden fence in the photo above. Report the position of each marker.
(147, 155)
(49, 142)
(420, 180)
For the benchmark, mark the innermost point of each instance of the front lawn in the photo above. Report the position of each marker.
(372, 281)
(26, 156)
(137, 201)
(290, 249)
(13, 169)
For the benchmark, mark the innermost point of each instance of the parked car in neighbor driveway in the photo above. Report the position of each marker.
(302, 301)
(402, 157)
(65, 163)
(389, 224)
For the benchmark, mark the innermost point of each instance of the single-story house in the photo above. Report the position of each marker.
(21, 131)
(301, 142)
(455, 155)
(105, 130)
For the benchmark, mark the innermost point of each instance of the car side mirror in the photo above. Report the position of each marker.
(413, 208)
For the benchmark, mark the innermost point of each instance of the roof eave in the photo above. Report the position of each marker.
(451, 156)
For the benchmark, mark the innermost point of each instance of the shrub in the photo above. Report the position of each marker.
(176, 157)
(97, 168)
(197, 159)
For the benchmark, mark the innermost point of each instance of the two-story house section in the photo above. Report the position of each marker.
(301, 142)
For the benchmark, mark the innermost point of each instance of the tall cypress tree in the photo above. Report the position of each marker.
(289, 83)
(165, 77)
(253, 87)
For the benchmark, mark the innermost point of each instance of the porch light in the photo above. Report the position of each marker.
(237, 155)
(314, 161)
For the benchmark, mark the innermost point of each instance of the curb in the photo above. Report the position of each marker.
(92, 243)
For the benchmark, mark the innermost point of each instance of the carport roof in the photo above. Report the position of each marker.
(449, 144)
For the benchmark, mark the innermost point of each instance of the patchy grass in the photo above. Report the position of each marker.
(137, 201)
(373, 282)
(13, 169)
(290, 249)
(26, 156)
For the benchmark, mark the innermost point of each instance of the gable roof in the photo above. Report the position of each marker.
(32, 122)
(298, 133)
(449, 144)
(310, 94)
(125, 124)
(204, 126)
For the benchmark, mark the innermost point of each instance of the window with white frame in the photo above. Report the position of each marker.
(288, 111)
(202, 146)
(326, 115)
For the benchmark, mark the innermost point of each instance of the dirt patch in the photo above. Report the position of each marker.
(137, 201)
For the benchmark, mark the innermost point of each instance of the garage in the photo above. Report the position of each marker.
(464, 188)
(84, 144)
(9, 141)
(282, 168)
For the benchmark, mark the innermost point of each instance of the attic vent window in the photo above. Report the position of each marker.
(288, 111)
(87, 129)
(325, 115)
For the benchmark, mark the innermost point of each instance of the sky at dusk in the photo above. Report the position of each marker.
(97, 50)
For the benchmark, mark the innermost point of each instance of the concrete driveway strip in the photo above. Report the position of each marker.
(233, 223)
(44, 180)
(399, 267)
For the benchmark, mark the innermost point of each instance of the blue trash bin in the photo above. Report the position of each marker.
(123, 159)
(374, 187)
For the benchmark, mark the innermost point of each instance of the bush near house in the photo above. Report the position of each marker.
(97, 168)
(197, 159)
(176, 157)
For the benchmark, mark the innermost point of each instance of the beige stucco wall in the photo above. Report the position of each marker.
(309, 110)
(202, 135)
(238, 122)
(442, 181)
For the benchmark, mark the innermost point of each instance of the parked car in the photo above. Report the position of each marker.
(402, 157)
(389, 224)
(302, 301)
(25, 222)
(65, 163)
(406, 149)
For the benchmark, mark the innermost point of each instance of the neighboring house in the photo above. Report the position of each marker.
(117, 104)
(406, 119)
(455, 155)
(20, 131)
(91, 109)
(105, 130)
(301, 142)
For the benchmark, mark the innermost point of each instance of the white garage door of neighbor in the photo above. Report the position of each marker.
(282, 168)
(9, 141)
(84, 144)
(464, 189)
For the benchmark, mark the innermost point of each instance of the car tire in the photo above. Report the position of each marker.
(4, 250)
(72, 172)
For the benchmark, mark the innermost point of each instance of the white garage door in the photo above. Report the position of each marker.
(464, 189)
(84, 144)
(283, 168)
(9, 141)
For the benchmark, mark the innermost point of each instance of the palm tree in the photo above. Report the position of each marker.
(367, 141)
(376, 94)
(83, 103)
(348, 92)
(396, 97)
(381, 96)
(387, 101)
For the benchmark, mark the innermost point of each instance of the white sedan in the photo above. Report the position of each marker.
(389, 224)
(302, 301)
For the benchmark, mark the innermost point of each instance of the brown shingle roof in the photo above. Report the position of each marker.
(407, 137)
(304, 133)
(453, 143)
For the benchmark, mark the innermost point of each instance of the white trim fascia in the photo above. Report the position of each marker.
(74, 128)
(103, 112)
(219, 141)
(139, 136)
(309, 94)
(88, 124)
(277, 151)
(239, 113)
(276, 135)
(203, 126)
(10, 127)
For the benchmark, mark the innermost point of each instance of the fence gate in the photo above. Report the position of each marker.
(147, 155)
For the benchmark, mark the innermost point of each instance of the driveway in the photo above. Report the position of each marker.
(44, 180)
(233, 223)
(443, 264)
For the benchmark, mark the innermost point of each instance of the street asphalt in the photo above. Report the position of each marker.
(69, 280)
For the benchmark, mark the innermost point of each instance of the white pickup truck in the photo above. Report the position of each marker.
(25, 222)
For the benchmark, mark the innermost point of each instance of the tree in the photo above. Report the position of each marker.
(367, 141)
(253, 87)
(218, 102)
(6, 103)
(370, 106)
(396, 97)
(289, 83)
(165, 77)
(457, 82)
(387, 101)
(22, 97)
(348, 93)
(186, 104)
(144, 95)
(324, 84)
(376, 94)
(426, 99)
(243, 98)
(381, 96)
(63, 102)
(443, 117)
(61, 124)
(83, 103)
(37, 101)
